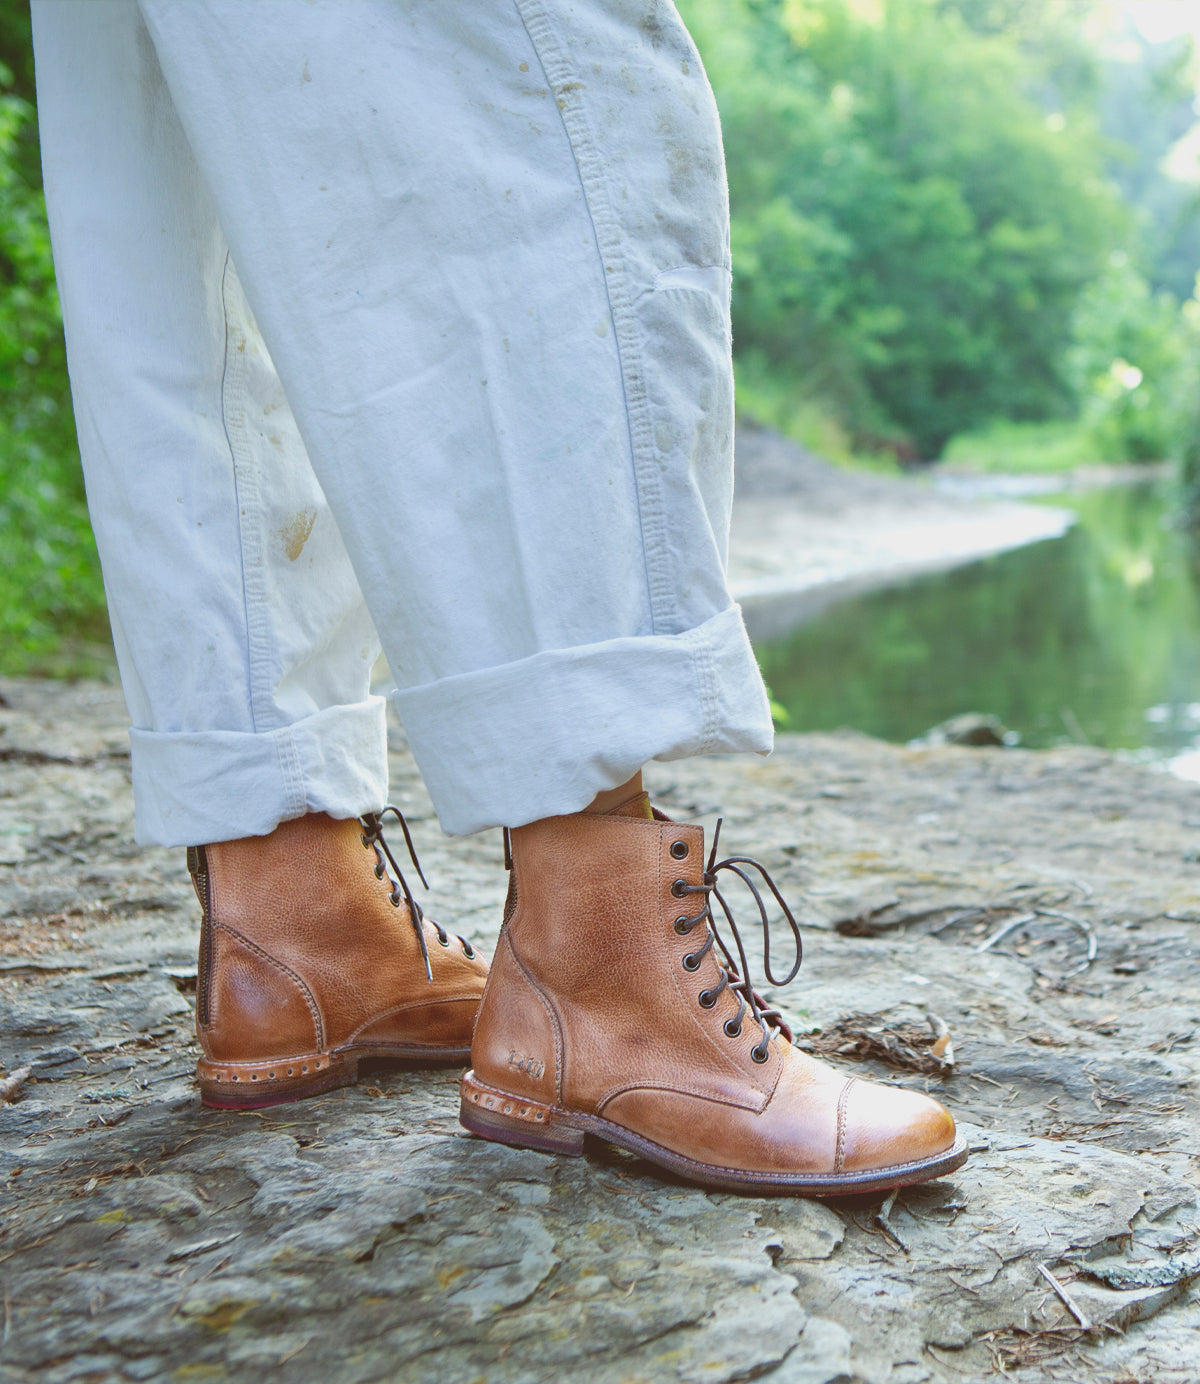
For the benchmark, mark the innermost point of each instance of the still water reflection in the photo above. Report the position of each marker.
(1093, 636)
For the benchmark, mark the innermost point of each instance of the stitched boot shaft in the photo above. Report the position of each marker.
(609, 1011)
(310, 960)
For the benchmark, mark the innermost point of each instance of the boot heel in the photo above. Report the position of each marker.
(514, 1120)
(251, 1085)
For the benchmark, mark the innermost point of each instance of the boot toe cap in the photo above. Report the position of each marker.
(886, 1127)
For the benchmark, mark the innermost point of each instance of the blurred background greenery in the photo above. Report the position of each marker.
(962, 229)
(52, 615)
(953, 216)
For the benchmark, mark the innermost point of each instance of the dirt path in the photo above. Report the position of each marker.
(363, 1236)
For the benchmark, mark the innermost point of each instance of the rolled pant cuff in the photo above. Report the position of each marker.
(191, 788)
(542, 736)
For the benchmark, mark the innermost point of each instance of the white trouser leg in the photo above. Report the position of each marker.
(488, 248)
(244, 643)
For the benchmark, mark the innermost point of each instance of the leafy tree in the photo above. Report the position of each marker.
(1147, 105)
(1134, 361)
(911, 232)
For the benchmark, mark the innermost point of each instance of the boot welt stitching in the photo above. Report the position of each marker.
(209, 1069)
(840, 1158)
(287, 970)
(608, 1129)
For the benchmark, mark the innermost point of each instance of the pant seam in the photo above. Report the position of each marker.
(590, 167)
(706, 680)
(246, 498)
(291, 769)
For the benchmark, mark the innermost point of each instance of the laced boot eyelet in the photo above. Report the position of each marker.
(759, 1052)
(468, 951)
(680, 888)
(362, 836)
(732, 1029)
(378, 871)
(679, 849)
(394, 898)
(683, 926)
(691, 962)
(706, 998)
(443, 938)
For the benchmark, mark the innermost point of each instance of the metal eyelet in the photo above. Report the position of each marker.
(680, 888)
(732, 1030)
(394, 898)
(443, 939)
(691, 962)
(759, 1053)
(378, 871)
(679, 849)
(707, 999)
(683, 925)
(362, 836)
(468, 951)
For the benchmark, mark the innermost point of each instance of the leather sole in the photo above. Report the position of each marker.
(507, 1119)
(251, 1085)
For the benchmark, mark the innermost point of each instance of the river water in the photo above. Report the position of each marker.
(1093, 637)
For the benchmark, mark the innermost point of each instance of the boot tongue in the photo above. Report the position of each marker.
(637, 806)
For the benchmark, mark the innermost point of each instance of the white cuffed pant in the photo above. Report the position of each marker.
(408, 316)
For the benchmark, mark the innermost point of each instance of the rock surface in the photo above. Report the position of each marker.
(364, 1236)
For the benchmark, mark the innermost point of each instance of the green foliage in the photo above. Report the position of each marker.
(771, 398)
(1147, 105)
(1018, 448)
(50, 586)
(1187, 442)
(911, 232)
(1133, 359)
(1134, 362)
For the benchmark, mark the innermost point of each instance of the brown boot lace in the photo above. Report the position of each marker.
(734, 977)
(372, 835)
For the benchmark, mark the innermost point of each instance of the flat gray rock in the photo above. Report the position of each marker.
(364, 1236)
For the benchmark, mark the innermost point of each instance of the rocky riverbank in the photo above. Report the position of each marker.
(806, 534)
(1043, 909)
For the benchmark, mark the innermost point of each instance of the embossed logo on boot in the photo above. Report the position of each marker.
(529, 1065)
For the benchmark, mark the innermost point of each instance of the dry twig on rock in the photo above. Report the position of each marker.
(1032, 919)
(1067, 1300)
(883, 1219)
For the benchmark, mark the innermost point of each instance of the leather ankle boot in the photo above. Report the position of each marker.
(312, 957)
(613, 1009)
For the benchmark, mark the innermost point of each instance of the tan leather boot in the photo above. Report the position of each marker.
(312, 958)
(613, 1010)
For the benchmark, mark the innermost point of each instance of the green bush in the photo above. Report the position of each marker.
(911, 229)
(51, 595)
(1187, 418)
(1012, 448)
(1132, 362)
